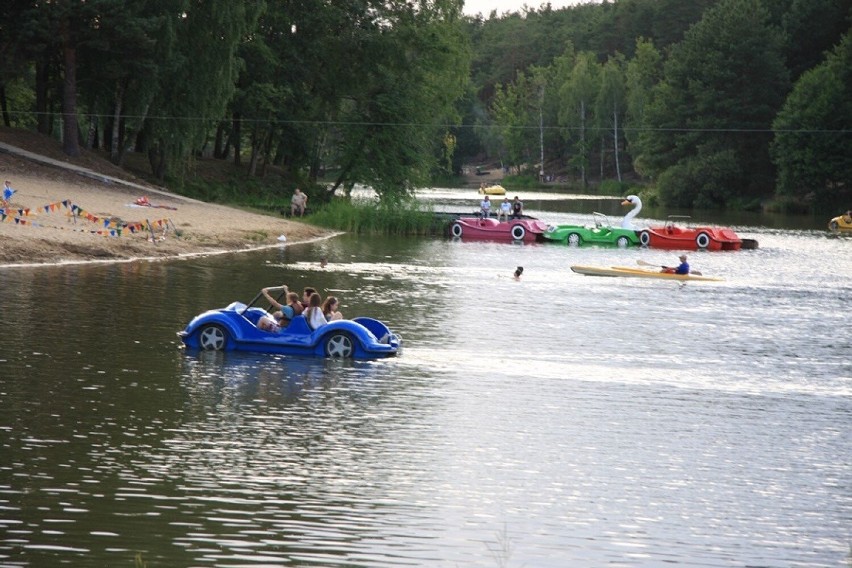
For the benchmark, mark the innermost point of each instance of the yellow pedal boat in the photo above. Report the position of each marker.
(841, 223)
(493, 190)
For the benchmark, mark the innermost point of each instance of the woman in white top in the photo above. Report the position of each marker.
(329, 309)
(314, 312)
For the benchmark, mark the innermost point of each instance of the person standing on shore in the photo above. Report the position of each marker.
(298, 203)
(8, 192)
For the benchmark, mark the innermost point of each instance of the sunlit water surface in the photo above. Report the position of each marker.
(560, 420)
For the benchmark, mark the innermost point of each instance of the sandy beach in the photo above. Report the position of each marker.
(61, 215)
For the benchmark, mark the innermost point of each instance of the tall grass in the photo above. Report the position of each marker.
(405, 216)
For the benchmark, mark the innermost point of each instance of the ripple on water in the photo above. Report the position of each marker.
(557, 420)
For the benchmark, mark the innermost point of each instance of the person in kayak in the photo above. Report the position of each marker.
(682, 268)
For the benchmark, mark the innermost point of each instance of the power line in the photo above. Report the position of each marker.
(534, 127)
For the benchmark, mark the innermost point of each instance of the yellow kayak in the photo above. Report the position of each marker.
(637, 273)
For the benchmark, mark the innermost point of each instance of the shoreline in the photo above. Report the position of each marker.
(65, 214)
(179, 256)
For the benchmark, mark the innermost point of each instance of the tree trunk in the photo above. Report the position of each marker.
(583, 143)
(92, 136)
(42, 88)
(236, 139)
(126, 134)
(218, 143)
(115, 151)
(255, 152)
(267, 151)
(316, 157)
(541, 138)
(3, 105)
(70, 128)
(615, 142)
(157, 160)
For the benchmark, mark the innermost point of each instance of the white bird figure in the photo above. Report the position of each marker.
(627, 222)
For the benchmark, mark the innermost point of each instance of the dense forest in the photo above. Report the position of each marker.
(707, 103)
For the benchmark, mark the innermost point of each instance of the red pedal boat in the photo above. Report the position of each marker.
(526, 230)
(673, 236)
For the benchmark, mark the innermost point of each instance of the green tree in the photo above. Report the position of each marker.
(813, 144)
(119, 69)
(643, 73)
(197, 80)
(723, 85)
(611, 105)
(811, 28)
(515, 108)
(16, 53)
(578, 95)
(415, 66)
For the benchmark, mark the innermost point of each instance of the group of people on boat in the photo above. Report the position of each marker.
(316, 311)
(508, 209)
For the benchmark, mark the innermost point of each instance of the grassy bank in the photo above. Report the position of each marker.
(368, 216)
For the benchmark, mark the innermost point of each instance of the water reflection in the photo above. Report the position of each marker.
(210, 377)
(578, 421)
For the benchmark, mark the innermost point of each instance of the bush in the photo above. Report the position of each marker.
(614, 187)
(402, 216)
(521, 182)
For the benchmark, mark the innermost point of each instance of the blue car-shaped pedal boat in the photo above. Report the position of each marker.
(234, 328)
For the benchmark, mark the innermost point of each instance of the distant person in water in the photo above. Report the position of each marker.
(323, 262)
(518, 271)
(682, 268)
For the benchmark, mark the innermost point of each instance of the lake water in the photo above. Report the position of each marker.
(560, 420)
